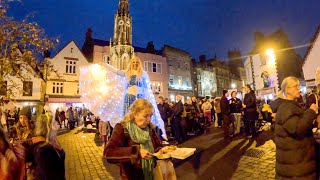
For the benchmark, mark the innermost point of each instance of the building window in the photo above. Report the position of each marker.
(57, 88)
(106, 59)
(188, 82)
(159, 68)
(71, 67)
(180, 80)
(187, 66)
(3, 88)
(152, 67)
(171, 80)
(71, 50)
(262, 61)
(27, 88)
(179, 65)
(78, 89)
(145, 66)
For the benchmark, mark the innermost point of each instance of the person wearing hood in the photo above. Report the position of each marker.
(295, 144)
(250, 111)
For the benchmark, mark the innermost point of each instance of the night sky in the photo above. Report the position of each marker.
(198, 26)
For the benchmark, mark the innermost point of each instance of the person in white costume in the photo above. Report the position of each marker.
(109, 92)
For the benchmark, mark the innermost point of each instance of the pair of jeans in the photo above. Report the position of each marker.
(237, 122)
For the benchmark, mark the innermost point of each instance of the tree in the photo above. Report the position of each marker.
(22, 46)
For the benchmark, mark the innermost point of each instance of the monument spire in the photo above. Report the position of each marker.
(121, 50)
(123, 7)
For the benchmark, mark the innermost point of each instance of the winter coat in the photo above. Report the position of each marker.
(165, 111)
(47, 162)
(224, 105)
(235, 105)
(295, 148)
(123, 150)
(12, 163)
(177, 110)
(250, 112)
(275, 104)
(206, 106)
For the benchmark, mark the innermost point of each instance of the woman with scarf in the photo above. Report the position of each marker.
(133, 142)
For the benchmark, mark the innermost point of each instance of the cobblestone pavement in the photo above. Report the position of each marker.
(215, 158)
(84, 156)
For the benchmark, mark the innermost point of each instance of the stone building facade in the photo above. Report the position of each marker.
(179, 70)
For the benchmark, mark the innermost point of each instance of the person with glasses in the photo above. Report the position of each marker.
(295, 144)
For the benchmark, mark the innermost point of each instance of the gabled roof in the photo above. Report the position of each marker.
(145, 50)
(312, 42)
(100, 42)
(66, 46)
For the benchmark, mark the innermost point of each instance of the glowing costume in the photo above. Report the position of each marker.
(109, 95)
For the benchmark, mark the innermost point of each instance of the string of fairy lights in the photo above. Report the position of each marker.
(103, 93)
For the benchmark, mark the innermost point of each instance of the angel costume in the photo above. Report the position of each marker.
(109, 95)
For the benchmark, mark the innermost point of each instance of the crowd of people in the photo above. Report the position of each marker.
(29, 148)
(32, 151)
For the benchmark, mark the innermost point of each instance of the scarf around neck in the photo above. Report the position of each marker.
(142, 137)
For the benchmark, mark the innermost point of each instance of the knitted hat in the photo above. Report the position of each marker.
(26, 111)
(224, 92)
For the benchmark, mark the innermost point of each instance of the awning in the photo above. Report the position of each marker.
(64, 100)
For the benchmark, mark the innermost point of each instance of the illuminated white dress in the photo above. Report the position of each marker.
(108, 93)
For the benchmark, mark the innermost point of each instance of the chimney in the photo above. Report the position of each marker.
(202, 58)
(89, 34)
(150, 47)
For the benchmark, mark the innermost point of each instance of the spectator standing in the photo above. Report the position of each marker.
(104, 130)
(44, 152)
(217, 108)
(176, 128)
(295, 144)
(235, 110)
(164, 109)
(71, 118)
(12, 159)
(250, 111)
(225, 111)
(62, 116)
(24, 127)
(213, 112)
(206, 109)
(56, 116)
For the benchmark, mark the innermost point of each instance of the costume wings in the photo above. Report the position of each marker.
(103, 91)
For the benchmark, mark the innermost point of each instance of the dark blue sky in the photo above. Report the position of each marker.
(198, 26)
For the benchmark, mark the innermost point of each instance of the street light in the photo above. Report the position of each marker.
(271, 56)
(233, 86)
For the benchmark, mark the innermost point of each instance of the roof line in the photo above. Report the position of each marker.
(312, 42)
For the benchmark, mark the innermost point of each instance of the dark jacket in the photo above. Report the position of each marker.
(274, 105)
(250, 102)
(250, 112)
(123, 150)
(235, 105)
(177, 110)
(224, 105)
(165, 111)
(295, 148)
(196, 107)
(47, 161)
